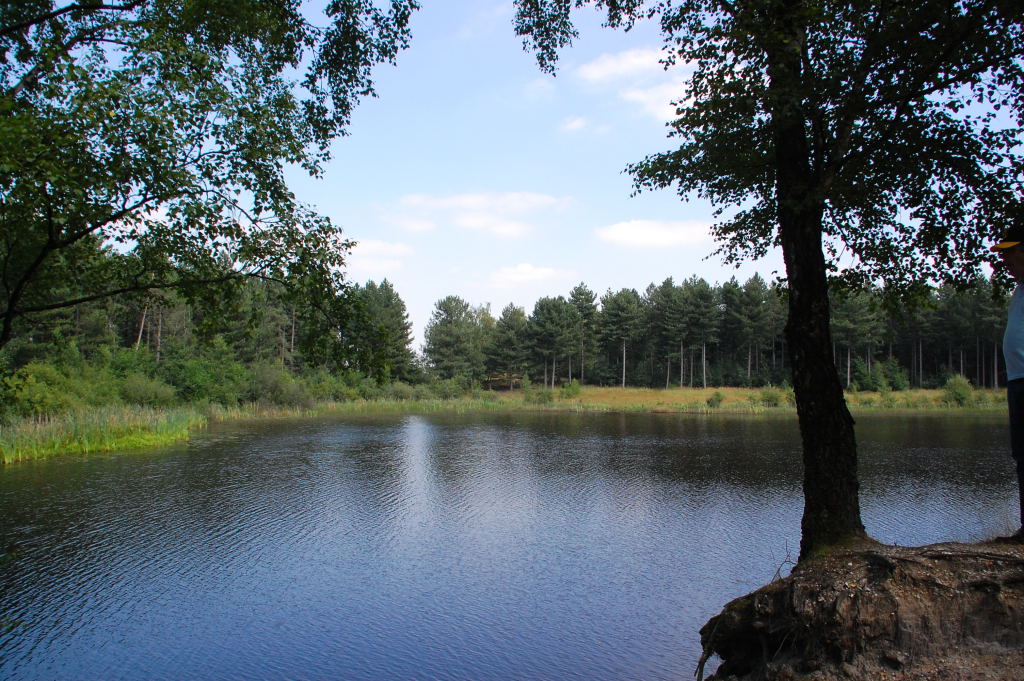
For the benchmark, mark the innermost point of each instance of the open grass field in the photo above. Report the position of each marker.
(750, 400)
(126, 427)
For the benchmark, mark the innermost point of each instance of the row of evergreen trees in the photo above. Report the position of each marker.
(258, 344)
(697, 334)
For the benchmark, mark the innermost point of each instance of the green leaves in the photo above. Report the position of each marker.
(162, 127)
(911, 114)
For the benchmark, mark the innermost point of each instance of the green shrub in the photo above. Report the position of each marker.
(958, 391)
(895, 375)
(273, 383)
(875, 380)
(145, 391)
(348, 394)
(539, 396)
(716, 399)
(770, 397)
(124, 361)
(39, 388)
(570, 390)
(320, 385)
(397, 390)
(213, 376)
(369, 389)
(422, 392)
(448, 389)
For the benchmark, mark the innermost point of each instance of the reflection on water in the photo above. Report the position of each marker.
(524, 546)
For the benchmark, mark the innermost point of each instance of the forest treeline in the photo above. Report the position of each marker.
(260, 345)
(693, 333)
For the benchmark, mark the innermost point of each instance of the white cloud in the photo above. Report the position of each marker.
(525, 273)
(503, 214)
(640, 79)
(655, 233)
(579, 124)
(375, 259)
(373, 268)
(495, 224)
(375, 247)
(574, 123)
(412, 224)
(656, 100)
(486, 20)
(628, 64)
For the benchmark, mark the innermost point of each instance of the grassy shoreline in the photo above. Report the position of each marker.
(130, 427)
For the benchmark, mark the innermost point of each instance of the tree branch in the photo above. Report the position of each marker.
(87, 7)
(134, 288)
(62, 50)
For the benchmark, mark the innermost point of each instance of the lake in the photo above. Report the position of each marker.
(526, 546)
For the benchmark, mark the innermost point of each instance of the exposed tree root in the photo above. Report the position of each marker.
(941, 612)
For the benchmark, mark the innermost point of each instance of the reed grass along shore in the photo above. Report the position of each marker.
(98, 429)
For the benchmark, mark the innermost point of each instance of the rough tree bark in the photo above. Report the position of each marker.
(831, 502)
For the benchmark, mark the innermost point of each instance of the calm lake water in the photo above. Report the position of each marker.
(471, 548)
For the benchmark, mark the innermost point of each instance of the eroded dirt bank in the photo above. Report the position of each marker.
(940, 612)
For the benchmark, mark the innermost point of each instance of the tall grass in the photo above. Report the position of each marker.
(128, 427)
(95, 430)
(484, 401)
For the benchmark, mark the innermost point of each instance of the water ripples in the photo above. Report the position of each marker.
(500, 547)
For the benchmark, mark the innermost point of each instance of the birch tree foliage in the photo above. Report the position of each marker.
(160, 130)
(888, 132)
(912, 113)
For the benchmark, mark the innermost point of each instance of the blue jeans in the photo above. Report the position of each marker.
(1015, 401)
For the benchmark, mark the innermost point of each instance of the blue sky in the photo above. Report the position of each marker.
(474, 174)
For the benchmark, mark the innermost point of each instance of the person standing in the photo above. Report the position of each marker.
(1011, 251)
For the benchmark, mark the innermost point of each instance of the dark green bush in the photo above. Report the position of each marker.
(40, 388)
(148, 392)
(570, 390)
(770, 397)
(448, 389)
(895, 374)
(958, 391)
(273, 383)
(397, 390)
(48, 388)
(369, 389)
(539, 396)
(321, 385)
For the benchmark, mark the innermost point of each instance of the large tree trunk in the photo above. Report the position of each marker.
(831, 503)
